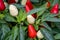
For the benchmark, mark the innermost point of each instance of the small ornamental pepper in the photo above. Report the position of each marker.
(48, 5)
(31, 31)
(40, 35)
(12, 1)
(55, 9)
(2, 6)
(13, 10)
(6, 4)
(30, 19)
(29, 7)
(23, 2)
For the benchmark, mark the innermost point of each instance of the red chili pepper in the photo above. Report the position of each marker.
(55, 9)
(11, 1)
(34, 15)
(29, 7)
(31, 31)
(29, 4)
(2, 6)
(48, 5)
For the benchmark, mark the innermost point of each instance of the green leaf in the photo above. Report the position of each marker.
(54, 2)
(28, 39)
(21, 33)
(18, 6)
(56, 30)
(22, 16)
(36, 27)
(43, 7)
(57, 36)
(45, 15)
(1, 16)
(52, 15)
(52, 19)
(24, 28)
(9, 18)
(11, 35)
(48, 35)
(38, 21)
(46, 26)
(41, 12)
(3, 30)
(35, 1)
(51, 0)
(2, 21)
(59, 1)
(57, 24)
(14, 32)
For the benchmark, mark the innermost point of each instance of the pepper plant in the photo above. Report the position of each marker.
(29, 19)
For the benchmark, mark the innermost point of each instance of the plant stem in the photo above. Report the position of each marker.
(34, 38)
(39, 39)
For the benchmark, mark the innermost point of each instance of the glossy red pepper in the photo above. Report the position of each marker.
(2, 6)
(11, 1)
(55, 9)
(29, 7)
(31, 31)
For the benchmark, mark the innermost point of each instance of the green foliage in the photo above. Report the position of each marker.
(11, 35)
(42, 8)
(15, 28)
(4, 29)
(48, 35)
(46, 26)
(21, 33)
(22, 16)
(57, 36)
(9, 18)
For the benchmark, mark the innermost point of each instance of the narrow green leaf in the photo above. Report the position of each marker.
(54, 2)
(22, 16)
(57, 24)
(14, 32)
(18, 6)
(57, 36)
(45, 15)
(52, 19)
(52, 15)
(46, 26)
(4, 29)
(51, 1)
(1, 16)
(36, 27)
(48, 35)
(35, 1)
(43, 7)
(2, 21)
(59, 3)
(11, 35)
(40, 12)
(24, 28)
(29, 39)
(9, 18)
(21, 33)
(38, 21)
(56, 30)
